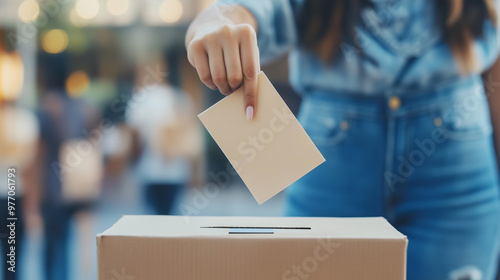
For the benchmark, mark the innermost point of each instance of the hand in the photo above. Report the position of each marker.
(226, 56)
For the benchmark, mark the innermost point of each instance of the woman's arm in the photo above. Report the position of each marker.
(32, 178)
(222, 45)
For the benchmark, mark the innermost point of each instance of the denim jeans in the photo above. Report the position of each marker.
(425, 161)
(57, 221)
(161, 197)
(5, 233)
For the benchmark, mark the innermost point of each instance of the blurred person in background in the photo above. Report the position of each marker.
(18, 142)
(394, 100)
(70, 165)
(165, 136)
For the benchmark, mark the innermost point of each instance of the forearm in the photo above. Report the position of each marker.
(32, 176)
(216, 16)
(32, 192)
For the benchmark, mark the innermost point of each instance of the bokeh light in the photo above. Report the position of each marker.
(77, 83)
(76, 19)
(205, 4)
(171, 10)
(54, 41)
(117, 7)
(11, 76)
(28, 11)
(87, 9)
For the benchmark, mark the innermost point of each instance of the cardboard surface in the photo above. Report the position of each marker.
(270, 152)
(189, 248)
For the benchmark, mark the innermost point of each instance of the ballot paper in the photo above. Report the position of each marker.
(269, 152)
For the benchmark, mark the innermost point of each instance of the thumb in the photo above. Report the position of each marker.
(251, 68)
(250, 65)
(250, 85)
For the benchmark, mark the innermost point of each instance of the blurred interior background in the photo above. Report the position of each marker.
(98, 108)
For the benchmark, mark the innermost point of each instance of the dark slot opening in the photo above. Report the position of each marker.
(230, 227)
(250, 231)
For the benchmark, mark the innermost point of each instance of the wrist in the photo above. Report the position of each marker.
(217, 16)
(209, 19)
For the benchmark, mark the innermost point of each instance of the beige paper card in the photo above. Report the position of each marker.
(270, 152)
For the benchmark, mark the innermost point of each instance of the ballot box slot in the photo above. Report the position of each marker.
(254, 230)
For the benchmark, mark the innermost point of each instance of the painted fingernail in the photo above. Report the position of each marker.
(249, 113)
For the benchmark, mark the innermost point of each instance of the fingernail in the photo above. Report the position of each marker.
(249, 113)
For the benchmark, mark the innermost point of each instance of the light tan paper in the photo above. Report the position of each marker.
(270, 152)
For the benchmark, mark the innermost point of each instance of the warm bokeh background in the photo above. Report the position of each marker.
(98, 113)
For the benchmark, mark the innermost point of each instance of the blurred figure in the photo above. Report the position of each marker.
(116, 149)
(165, 137)
(18, 141)
(72, 165)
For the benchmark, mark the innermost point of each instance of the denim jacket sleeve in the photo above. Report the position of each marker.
(276, 34)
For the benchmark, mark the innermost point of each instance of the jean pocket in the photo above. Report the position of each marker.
(325, 127)
(462, 122)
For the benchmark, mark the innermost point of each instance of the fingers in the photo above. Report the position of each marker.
(199, 59)
(218, 69)
(233, 64)
(203, 69)
(250, 65)
(227, 57)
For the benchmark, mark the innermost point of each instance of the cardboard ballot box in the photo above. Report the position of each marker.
(250, 248)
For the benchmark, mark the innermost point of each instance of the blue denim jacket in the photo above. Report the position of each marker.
(403, 50)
